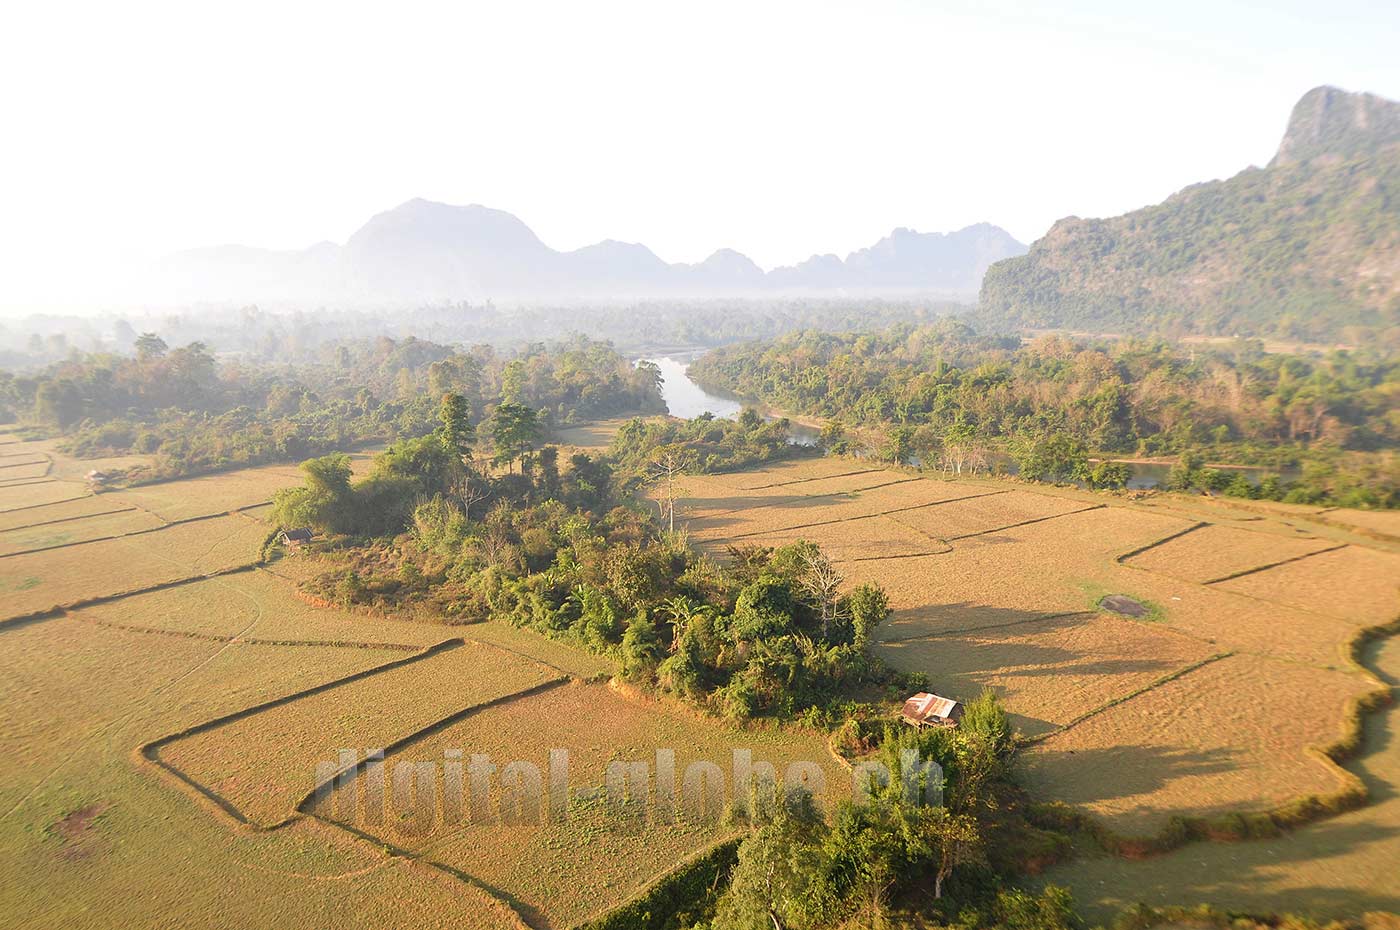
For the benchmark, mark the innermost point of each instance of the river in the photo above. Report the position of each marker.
(687, 400)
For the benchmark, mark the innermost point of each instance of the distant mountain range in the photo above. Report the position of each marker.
(1306, 248)
(422, 251)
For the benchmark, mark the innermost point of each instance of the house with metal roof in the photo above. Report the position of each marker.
(931, 710)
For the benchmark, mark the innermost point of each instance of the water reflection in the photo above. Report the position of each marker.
(687, 400)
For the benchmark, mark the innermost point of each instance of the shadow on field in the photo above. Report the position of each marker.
(1136, 770)
(940, 620)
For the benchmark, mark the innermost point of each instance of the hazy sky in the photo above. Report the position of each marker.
(780, 129)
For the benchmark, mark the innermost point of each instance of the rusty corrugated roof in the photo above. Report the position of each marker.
(925, 706)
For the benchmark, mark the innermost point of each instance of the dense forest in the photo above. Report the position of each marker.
(195, 414)
(949, 398)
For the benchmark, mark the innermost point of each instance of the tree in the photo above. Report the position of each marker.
(663, 471)
(868, 606)
(822, 583)
(149, 346)
(456, 430)
(515, 429)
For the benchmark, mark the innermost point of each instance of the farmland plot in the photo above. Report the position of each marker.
(263, 763)
(1234, 735)
(18, 498)
(1215, 552)
(960, 519)
(565, 872)
(1355, 584)
(39, 580)
(254, 605)
(79, 530)
(62, 512)
(1330, 870)
(1048, 671)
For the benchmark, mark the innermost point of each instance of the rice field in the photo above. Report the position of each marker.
(1194, 711)
(1355, 584)
(1231, 736)
(1212, 552)
(263, 763)
(1335, 869)
(71, 531)
(564, 872)
(39, 580)
(1048, 671)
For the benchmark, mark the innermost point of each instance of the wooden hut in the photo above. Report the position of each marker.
(295, 539)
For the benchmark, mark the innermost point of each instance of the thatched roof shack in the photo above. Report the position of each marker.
(930, 710)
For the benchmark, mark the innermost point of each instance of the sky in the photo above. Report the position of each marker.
(780, 129)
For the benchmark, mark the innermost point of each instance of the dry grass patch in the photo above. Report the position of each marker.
(562, 873)
(1356, 584)
(253, 605)
(1384, 522)
(1214, 552)
(262, 764)
(589, 437)
(1048, 671)
(1334, 869)
(1234, 735)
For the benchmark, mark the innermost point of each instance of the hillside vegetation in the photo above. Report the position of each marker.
(1307, 248)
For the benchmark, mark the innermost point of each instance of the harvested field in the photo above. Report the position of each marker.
(11, 471)
(26, 497)
(1212, 552)
(965, 518)
(1234, 735)
(39, 580)
(62, 512)
(262, 764)
(254, 605)
(1048, 671)
(737, 519)
(1331, 870)
(1383, 522)
(856, 540)
(565, 872)
(209, 494)
(1355, 584)
(80, 530)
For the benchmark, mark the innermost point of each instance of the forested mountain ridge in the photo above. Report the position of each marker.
(1307, 248)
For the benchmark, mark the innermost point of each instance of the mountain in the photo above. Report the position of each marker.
(422, 251)
(1306, 248)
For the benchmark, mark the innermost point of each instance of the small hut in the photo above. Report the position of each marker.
(295, 539)
(929, 710)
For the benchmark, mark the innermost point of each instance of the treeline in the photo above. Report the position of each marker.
(950, 398)
(195, 414)
(301, 337)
